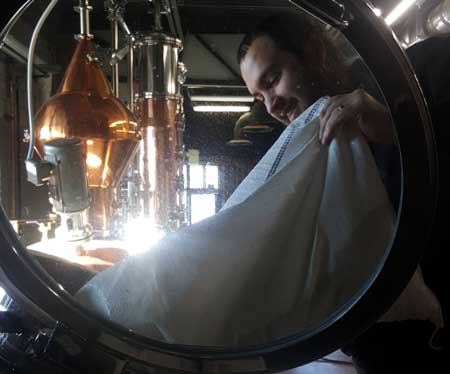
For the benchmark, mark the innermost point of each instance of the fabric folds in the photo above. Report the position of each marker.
(303, 233)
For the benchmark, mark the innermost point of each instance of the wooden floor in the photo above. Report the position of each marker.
(321, 367)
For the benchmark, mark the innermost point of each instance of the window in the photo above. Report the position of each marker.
(202, 206)
(202, 188)
(5, 300)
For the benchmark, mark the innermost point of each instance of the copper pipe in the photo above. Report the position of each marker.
(101, 210)
(160, 159)
(159, 109)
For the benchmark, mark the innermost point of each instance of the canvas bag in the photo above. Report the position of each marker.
(296, 241)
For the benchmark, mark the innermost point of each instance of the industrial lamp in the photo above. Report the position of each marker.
(257, 121)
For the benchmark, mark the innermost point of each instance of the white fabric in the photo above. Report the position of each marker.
(281, 256)
(416, 301)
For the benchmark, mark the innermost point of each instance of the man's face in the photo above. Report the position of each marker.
(277, 78)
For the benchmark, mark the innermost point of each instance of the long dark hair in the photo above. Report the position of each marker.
(310, 40)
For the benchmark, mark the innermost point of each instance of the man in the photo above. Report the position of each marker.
(288, 64)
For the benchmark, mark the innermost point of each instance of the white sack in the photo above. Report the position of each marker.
(280, 257)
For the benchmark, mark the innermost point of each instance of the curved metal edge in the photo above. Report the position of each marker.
(157, 38)
(333, 12)
(386, 59)
(13, 20)
(45, 300)
(411, 230)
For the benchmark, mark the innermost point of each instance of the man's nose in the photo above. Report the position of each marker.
(272, 103)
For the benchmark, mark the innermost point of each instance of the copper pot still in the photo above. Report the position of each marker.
(85, 107)
(158, 105)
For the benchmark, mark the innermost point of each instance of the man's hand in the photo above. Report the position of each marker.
(357, 108)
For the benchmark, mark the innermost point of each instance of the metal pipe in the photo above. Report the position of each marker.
(30, 64)
(123, 25)
(13, 20)
(115, 47)
(331, 11)
(157, 14)
(21, 50)
(16, 54)
(171, 23)
(85, 27)
(117, 20)
(14, 148)
(131, 75)
(175, 17)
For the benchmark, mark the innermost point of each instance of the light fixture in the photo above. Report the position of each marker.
(221, 108)
(258, 121)
(239, 142)
(225, 99)
(399, 10)
(93, 161)
(255, 122)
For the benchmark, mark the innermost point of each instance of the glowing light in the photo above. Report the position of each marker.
(45, 134)
(212, 176)
(441, 25)
(399, 10)
(122, 122)
(226, 99)
(203, 206)
(2, 295)
(93, 160)
(105, 174)
(196, 176)
(89, 142)
(377, 12)
(141, 235)
(221, 108)
(117, 123)
(57, 247)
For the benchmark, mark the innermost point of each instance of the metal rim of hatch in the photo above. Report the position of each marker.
(43, 297)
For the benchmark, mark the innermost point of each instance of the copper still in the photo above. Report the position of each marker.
(158, 105)
(85, 107)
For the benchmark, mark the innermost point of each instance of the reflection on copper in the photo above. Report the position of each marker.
(160, 159)
(111, 255)
(101, 211)
(85, 107)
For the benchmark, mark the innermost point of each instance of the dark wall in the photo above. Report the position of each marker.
(19, 198)
(210, 132)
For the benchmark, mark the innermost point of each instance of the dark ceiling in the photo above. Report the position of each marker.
(212, 28)
(196, 16)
